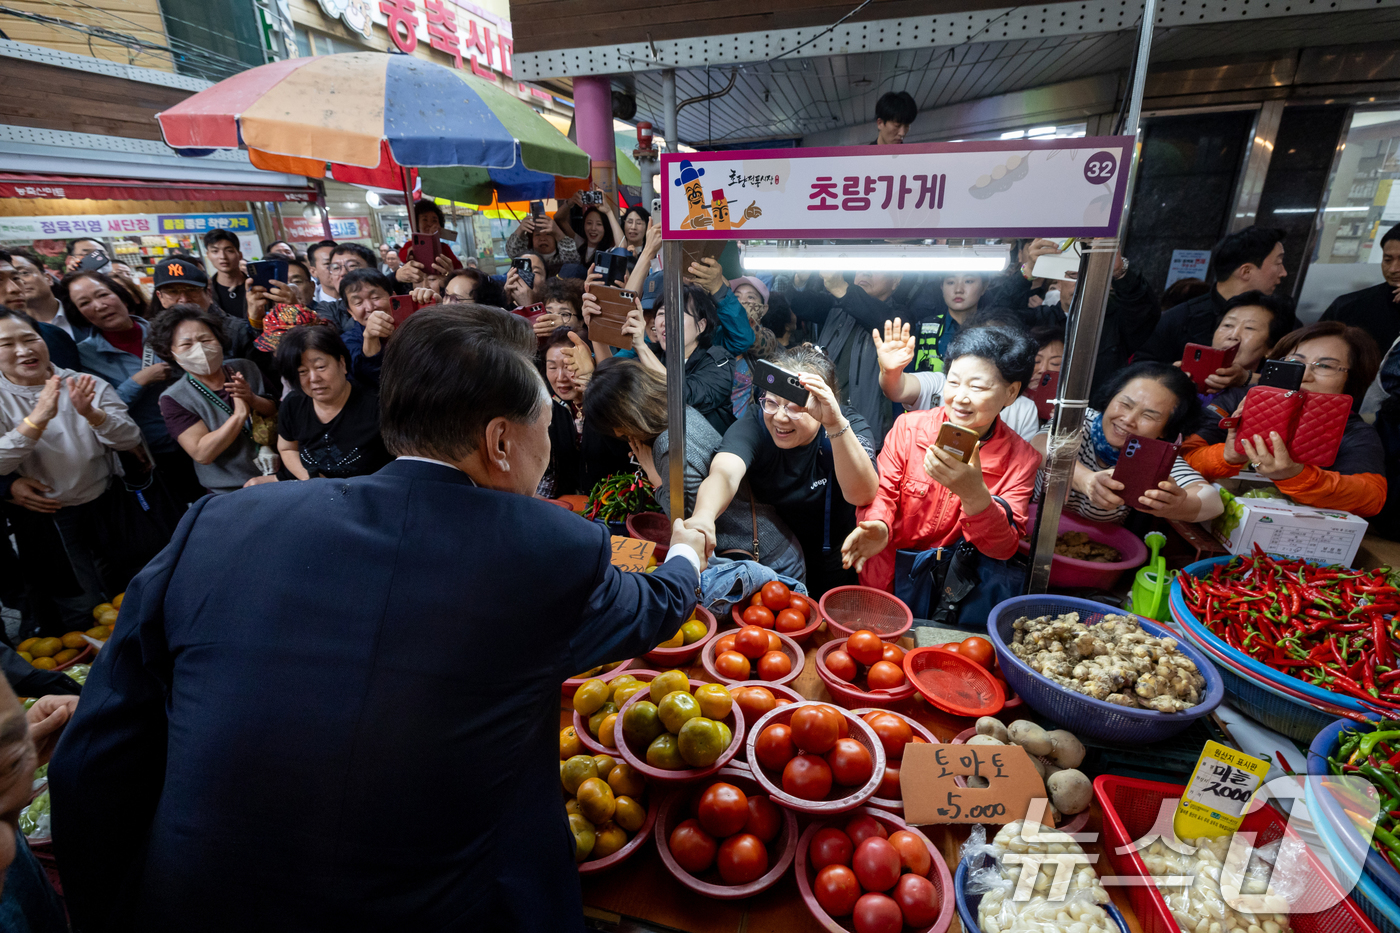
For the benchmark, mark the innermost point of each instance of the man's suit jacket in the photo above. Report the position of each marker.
(333, 705)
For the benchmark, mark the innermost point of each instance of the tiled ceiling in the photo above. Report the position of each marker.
(793, 97)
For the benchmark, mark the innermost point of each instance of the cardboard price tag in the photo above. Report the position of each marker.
(631, 554)
(1218, 793)
(931, 795)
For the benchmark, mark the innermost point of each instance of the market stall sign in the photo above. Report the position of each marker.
(301, 230)
(631, 554)
(929, 773)
(1020, 188)
(1221, 787)
(14, 185)
(203, 223)
(466, 34)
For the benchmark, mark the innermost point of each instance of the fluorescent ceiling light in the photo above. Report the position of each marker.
(1313, 210)
(1041, 131)
(874, 257)
(1014, 134)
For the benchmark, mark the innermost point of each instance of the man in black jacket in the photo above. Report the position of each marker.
(1246, 261)
(1376, 310)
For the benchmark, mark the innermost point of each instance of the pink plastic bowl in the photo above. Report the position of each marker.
(848, 694)
(791, 648)
(685, 655)
(1069, 572)
(636, 842)
(781, 851)
(735, 722)
(887, 803)
(938, 874)
(840, 799)
(814, 621)
(849, 609)
(654, 527)
(581, 725)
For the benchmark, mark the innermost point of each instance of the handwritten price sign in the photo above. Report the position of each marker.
(1220, 790)
(929, 776)
(631, 554)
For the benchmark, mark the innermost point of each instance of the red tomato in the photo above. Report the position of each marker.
(754, 701)
(776, 595)
(873, 715)
(889, 783)
(723, 810)
(884, 675)
(774, 642)
(742, 858)
(815, 729)
(876, 864)
(751, 642)
(803, 605)
(725, 643)
(851, 764)
(913, 853)
(765, 819)
(830, 847)
(808, 777)
(842, 729)
(865, 647)
(774, 665)
(977, 650)
(841, 664)
(782, 701)
(894, 733)
(864, 826)
(893, 653)
(693, 848)
(836, 890)
(790, 620)
(758, 615)
(733, 666)
(774, 747)
(951, 646)
(917, 898)
(876, 913)
(757, 599)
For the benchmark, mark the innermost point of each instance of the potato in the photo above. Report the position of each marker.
(1070, 791)
(993, 727)
(984, 740)
(1030, 737)
(1067, 751)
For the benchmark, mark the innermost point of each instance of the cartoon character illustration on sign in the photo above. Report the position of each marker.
(694, 197)
(719, 207)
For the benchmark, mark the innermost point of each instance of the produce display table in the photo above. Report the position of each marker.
(642, 889)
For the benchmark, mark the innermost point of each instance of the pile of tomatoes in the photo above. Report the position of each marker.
(877, 878)
(755, 700)
(605, 803)
(673, 728)
(868, 662)
(751, 650)
(814, 751)
(894, 734)
(728, 830)
(777, 607)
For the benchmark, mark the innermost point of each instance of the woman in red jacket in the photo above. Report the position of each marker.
(928, 497)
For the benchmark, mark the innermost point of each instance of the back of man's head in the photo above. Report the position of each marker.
(448, 372)
(1251, 245)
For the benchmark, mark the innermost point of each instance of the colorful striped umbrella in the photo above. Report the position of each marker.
(371, 115)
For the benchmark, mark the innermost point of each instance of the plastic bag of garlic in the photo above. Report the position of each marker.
(1063, 896)
(1201, 906)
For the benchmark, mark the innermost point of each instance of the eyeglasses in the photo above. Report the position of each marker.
(771, 406)
(1325, 369)
(344, 267)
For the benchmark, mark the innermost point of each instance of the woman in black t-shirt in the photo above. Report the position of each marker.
(329, 427)
(815, 464)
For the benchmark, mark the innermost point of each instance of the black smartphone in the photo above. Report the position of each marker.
(614, 266)
(537, 208)
(592, 197)
(779, 382)
(95, 261)
(525, 269)
(1282, 374)
(265, 271)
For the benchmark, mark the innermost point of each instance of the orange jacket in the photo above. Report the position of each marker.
(1361, 494)
(921, 513)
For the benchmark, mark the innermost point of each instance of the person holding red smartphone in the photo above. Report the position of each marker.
(1253, 323)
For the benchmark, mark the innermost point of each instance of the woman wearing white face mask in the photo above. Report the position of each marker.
(209, 410)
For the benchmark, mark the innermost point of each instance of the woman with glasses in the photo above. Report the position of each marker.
(1151, 400)
(813, 462)
(1339, 359)
(563, 307)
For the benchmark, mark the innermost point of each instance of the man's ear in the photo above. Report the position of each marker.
(494, 450)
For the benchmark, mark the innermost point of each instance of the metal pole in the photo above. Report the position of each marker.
(647, 165)
(668, 101)
(675, 373)
(1082, 342)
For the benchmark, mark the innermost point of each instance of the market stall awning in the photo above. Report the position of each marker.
(15, 185)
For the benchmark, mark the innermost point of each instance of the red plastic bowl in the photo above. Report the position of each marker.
(885, 803)
(676, 809)
(573, 683)
(1070, 572)
(791, 648)
(82, 657)
(685, 655)
(581, 727)
(938, 874)
(849, 609)
(654, 527)
(846, 798)
(848, 694)
(654, 805)
(735, 721)
(952, 683)
(814, 621)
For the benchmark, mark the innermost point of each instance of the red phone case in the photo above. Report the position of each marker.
(1310, 423)
(426, 248)
(1143, 463)
(1044, 394)
(1198, 362)
(400, 307)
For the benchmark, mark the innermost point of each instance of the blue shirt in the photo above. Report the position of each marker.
(97, 356)
(365, 369)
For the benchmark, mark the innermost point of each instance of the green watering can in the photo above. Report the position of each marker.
(1152, 584)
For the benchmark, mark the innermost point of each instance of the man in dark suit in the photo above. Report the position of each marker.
(1376, 310)
(332, 705)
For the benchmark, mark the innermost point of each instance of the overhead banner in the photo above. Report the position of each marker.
(1013, 188)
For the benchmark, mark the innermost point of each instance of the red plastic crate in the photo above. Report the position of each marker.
(1130, 809)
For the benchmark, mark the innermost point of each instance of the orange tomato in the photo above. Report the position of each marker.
(733, 666)
(758, 615)
(776, 595)
(893, 653)
(977, 650)
(865, 647)
(774, 665)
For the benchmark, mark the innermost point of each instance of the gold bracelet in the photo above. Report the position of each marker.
(37, 427)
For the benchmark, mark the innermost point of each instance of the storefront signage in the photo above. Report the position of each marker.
(301, 230)
(203, 223)
(18, 228)
(1061, 187)
(465, 33)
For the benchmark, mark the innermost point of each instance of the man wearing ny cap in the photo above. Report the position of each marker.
(181, 280)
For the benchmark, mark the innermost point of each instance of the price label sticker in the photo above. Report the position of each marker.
(1219, 792)
(631, 554)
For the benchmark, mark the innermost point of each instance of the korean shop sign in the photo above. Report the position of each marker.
(1016, 188)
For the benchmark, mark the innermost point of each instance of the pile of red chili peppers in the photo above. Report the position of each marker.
(1332, 626)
